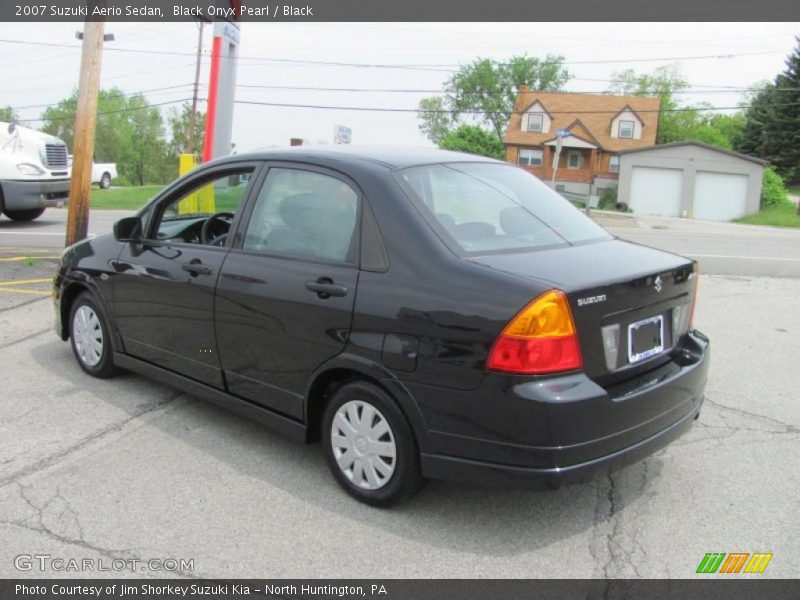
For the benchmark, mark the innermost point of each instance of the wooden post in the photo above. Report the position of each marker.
(193, 115)
(85, 126)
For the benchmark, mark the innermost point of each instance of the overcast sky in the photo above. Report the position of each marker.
(41, 75)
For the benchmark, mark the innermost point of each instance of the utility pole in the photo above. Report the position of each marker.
(193, 116)
(85, 126)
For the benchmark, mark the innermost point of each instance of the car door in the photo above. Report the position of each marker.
(163, 289)
(286, 290)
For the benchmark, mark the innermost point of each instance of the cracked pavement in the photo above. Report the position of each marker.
(129, 469)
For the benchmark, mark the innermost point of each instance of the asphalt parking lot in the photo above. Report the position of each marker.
(127, 468)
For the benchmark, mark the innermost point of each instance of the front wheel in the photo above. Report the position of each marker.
(105, 181)
(370, 446)
(88, 334)
(24, 215)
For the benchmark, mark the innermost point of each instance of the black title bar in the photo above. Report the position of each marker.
(541, 11)
(703, 588)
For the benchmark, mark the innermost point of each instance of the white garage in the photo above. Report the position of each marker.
(656, 191)
(690, 179)
(720, 196)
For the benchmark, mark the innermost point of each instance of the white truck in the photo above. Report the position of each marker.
(34, 174)
(102, 173)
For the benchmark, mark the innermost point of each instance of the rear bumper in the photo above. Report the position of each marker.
(26, 195)
(564, 429)
(471, 471)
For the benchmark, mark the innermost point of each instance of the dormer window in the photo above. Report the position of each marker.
(535, 119)
(626, 129)
(536, 122)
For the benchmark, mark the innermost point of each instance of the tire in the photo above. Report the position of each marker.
(105, 181)
(369, 473)
(88, 334)
(24, 215)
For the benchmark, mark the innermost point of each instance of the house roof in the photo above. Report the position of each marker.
(700, 145)
(594, 111)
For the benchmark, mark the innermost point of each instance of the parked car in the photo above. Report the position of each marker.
(33, 172)
(102, 173)
(425, 314)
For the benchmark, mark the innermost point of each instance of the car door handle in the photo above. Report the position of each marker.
(196, 268)
(325, 288)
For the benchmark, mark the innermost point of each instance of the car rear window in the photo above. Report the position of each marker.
(480, 208)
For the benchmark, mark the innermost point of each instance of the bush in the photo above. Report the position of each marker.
(773, 190)
(608, 198)
(474, 140)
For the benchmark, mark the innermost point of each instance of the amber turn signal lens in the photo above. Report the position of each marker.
(540, 339)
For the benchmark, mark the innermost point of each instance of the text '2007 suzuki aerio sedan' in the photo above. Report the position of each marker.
(424, 314)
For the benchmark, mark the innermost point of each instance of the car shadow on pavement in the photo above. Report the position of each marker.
(485, 521)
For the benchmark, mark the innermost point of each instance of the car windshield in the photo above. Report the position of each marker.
(486, 207)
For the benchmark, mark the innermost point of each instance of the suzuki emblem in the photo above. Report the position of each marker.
(657, 283)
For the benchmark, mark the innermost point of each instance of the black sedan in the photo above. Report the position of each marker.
(422, 313)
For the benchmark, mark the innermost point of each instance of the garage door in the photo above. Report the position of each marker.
(656, 191)
(719, 196)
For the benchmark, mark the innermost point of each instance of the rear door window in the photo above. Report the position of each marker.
(304, 214)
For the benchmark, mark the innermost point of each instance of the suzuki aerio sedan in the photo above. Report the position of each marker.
(423, 314)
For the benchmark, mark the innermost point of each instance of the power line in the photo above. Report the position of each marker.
(487, 92)
(483, 112)
(429, 67)
(111, 112)
(153, 90)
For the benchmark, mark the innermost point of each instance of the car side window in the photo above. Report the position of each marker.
(182, 220)
(306, 214)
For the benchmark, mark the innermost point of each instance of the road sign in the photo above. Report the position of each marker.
(342, 135)
(562, 133)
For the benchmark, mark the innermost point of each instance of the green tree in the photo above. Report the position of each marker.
(7, 115)
(484, 92)
(180, 127)
(144, 155)
(761, 120)
(129, 133)
(664, 82)
(435, 119)
(772, 131)
(677, 122)
(473, 140)
(773, 189)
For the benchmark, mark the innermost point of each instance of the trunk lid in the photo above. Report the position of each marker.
(630, 303)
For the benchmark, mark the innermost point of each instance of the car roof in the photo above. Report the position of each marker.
(389, 157)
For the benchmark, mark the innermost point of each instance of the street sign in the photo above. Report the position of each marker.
(562, 133)
(342, 135)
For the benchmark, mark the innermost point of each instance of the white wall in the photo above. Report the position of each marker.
(627, 115)
(536, 108)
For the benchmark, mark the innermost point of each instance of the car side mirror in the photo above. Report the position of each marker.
(128, 229)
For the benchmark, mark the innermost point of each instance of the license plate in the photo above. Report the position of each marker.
(645, 338)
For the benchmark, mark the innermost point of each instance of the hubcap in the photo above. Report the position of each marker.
(363, 445)
(88, 336)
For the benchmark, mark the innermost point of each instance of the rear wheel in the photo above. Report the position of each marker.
(24, 215)
(88, 334)
(370, 446)
(105, 181)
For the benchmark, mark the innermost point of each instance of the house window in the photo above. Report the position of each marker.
(626, 129)
(535, 122)
(530, 157)
(613, 164)
(574, 159)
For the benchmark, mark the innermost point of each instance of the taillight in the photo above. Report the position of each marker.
(694, 295)
(540, 339)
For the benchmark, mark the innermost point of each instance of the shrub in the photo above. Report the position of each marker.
(608, 198)
(773, 190)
